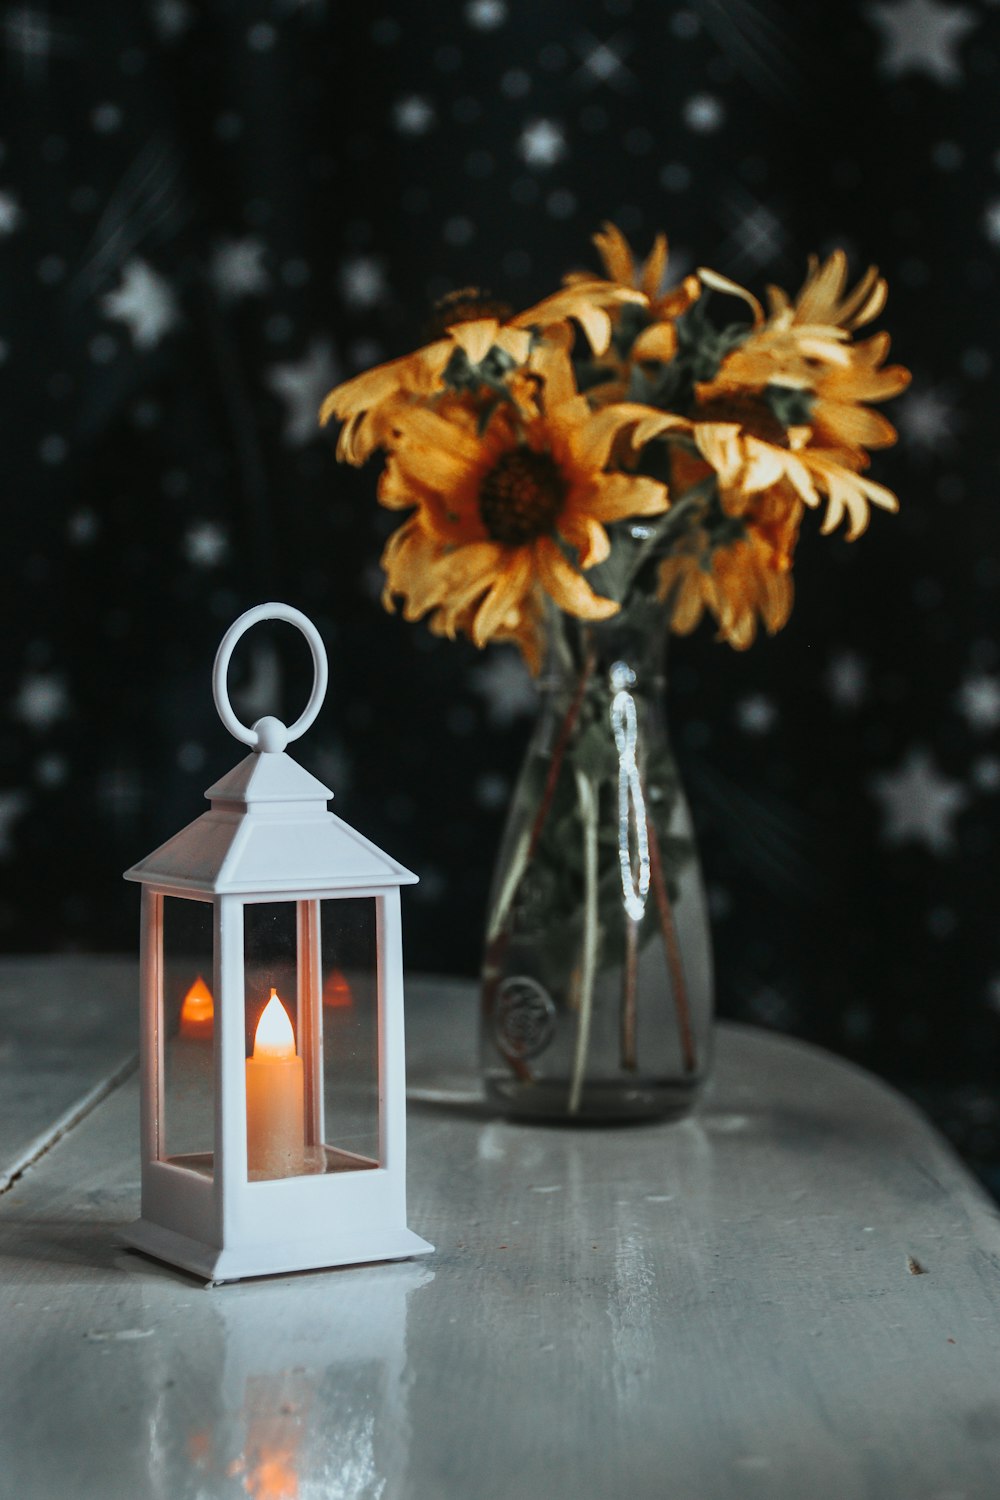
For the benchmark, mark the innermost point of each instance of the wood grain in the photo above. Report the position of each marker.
(707, 1311)
(68, 1029)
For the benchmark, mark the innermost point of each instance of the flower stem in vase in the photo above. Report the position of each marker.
(672, 948)
(499, 934)
(588, 965)
(559, 752)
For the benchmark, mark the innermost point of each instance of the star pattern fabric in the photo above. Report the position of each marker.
(920, 804)
(209, 213)
(922, 36)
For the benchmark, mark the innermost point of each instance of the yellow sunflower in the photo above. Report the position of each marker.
(738, 582)
(658, 340)
(367, 404)
(806, 346)
(820, 380)
(496, 513)
(446, 583)
(751, 451)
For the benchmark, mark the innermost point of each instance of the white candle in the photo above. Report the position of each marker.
(275, 1110)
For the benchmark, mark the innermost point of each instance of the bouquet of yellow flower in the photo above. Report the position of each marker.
(617, 460)
(522, 452)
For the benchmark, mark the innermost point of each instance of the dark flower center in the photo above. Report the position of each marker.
(521, 496)
(753, 414)
(464, 306)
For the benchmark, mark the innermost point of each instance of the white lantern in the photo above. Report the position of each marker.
(273, 1075)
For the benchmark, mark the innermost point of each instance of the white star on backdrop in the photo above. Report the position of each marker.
(927, 419)
(507, 687)
(542, 143)
(362, 281)
(704, 113)
(486, 15)
(82, 527)
(172, 18)
(978, 699)
(847, 679)
(236, 269)
(921, 36)
(28, 31)
(918, 804)
(301, 385)
(758, 235)
(145, 303)
(491, 790)
(986, 773)
(413, 115)
(602, 62)
(10, 213)
(205, 544)
(41, 700)
(756, 714)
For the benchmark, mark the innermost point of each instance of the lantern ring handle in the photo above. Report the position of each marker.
(268, 733)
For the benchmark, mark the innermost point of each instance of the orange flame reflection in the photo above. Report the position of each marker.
(198, 1012)
(336, 990)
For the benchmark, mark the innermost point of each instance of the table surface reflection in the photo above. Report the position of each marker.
(792, 1296)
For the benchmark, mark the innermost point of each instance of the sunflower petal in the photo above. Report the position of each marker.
(719, 444)
(505, 595)
(658, 341)
(855, 426)
(655, 268)
(655, 424)
(567, 587)
(729, 288)
(420, 432)
(514, 341)
(615, 497)
(589, 538)
(556, 369)
(764, 466)
(848, 494)
(592, 439)
(613, 248)
(585, 302)
(476, 338)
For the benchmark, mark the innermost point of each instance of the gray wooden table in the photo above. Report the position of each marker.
(795, 1296)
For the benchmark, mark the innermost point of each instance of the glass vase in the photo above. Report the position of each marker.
(597, 991)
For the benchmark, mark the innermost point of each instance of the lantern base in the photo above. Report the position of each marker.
(233, 1264)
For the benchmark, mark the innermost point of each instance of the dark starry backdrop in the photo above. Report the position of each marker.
(212, 211)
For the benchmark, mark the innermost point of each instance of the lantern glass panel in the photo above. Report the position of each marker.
(349, 987)
(188, 1031)
(311, 1018)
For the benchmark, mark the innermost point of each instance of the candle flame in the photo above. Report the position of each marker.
(274, 1038)
(197, 1010)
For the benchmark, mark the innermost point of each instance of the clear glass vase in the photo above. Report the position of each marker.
(597, 992)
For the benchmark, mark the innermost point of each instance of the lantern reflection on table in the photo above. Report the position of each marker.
(294, 1155)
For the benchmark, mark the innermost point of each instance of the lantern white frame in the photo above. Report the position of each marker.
(269, 837)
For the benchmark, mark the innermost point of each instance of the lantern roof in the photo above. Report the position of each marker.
(268, 828)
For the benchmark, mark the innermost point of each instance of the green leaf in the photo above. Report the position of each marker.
(791, 406)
